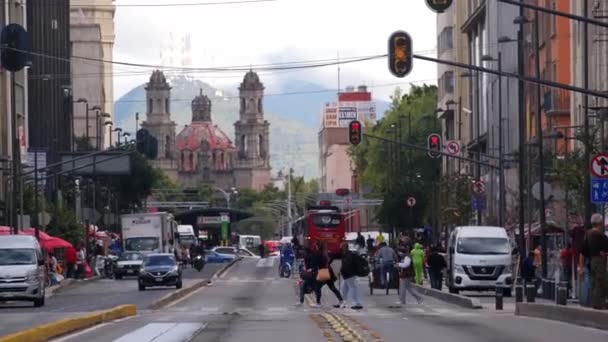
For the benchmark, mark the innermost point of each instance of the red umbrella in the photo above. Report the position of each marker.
(55, 242)
(32, 232)
(4, 230)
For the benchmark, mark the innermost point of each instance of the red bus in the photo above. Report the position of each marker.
(326, 224)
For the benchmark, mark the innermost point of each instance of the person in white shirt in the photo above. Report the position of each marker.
(406, 276)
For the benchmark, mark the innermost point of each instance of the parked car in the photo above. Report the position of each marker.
(128, 264)
(22, 269)
(160, 269)
(214, 257)
(229, 252)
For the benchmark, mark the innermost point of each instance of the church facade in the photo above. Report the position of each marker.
(201, 153)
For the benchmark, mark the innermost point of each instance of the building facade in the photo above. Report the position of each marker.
(12, 11)
(49, 86)
(202, 154)
(100, 12)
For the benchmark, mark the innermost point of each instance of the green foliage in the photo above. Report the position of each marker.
(257, 225)
(455, 199)
(570, 175)
(64, 225)
(134, 188)
(392, 172)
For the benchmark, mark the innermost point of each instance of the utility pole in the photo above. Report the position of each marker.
(501, 169)
(522, 140)
(541, 162)
(587, 152)
(16, 156)
(289, 223)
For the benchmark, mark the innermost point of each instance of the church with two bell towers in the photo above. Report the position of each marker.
(201, 153)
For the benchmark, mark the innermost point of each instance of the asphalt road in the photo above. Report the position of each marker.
(88, 296)
(250, 303)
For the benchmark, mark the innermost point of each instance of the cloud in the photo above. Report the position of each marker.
(286, 30)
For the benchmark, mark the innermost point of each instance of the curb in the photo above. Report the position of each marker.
(463, 301)
(68, 283)
(171, 297)
(48, 331)
(567, 314)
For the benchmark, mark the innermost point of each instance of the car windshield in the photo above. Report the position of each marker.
(17, 256)
(326, 220)
(141, 244)
(160, 260)
(130, 257)
(476, 245)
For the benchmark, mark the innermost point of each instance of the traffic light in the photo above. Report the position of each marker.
(434, 145)
(439, 6)
(14, 40)
(355, 132)
(400, 54)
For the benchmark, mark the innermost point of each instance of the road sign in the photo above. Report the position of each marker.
(599, 190)
(599, 165)
(479, 187)
(478, 202)
(453, 147)
(411, 201)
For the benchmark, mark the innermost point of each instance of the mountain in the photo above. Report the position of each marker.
(293, 113)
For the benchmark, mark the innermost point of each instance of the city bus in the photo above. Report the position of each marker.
(327, 224)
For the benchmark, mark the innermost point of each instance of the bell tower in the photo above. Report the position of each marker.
(158, 115)
(252, 136)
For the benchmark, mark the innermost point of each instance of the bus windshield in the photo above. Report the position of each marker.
(328, 220)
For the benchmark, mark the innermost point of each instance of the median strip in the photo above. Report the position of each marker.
(463, 301)
(48, 331)
(576, 315)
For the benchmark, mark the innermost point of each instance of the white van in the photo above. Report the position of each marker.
(22, 272)
(186, 235)
(478, 258)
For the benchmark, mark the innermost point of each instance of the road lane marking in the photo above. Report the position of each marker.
(163, 332)
(266, 262)
(88, 330)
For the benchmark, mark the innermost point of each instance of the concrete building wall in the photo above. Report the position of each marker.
(87, 76)
(101, 12)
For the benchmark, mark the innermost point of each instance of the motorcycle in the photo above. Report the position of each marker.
(109, 263)
(198, 262)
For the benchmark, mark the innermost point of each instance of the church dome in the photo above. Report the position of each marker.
(201, 108)
(202, 135)
(251, 81)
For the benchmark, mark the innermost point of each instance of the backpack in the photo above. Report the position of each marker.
(361, 266)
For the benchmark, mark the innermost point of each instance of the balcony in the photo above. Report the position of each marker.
(556, 102)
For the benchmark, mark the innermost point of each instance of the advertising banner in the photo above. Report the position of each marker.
(346, 115)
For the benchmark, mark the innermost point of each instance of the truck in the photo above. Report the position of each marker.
(148, 232)
(186, 235)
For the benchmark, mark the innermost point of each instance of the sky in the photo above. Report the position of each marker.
(277, 31)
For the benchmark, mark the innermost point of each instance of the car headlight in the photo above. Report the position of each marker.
(174, 271)
(459, 269)
(507, 270)
(31, 278)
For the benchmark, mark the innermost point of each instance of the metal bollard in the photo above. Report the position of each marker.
(562, 293)
(530, 293)
(519, 293)
(499, 294)
(551, 287)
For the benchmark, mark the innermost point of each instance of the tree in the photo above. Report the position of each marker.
(394, 172)
(65, 225)
(455, 199)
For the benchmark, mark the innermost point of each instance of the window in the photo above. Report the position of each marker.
(259, 106)
(182, 160)
(167, 106)
(447, 83)
(167, 147)
(446, 40)
(261, 146)
(150, 105)
(243, 144)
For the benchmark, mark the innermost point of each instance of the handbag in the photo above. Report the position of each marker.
(323, 275)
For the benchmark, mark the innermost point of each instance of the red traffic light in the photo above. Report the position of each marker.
(342, 192)
(434, 145)
(354, 132)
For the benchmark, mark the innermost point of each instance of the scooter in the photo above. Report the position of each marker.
(198, 262)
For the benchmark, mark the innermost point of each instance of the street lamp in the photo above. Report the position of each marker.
(501, 186)
(109, 123)
(118, 130)
(126, 135)
(97, 128)
(87, 110)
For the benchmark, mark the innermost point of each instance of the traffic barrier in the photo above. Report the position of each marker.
(519, 293)
(499, 298)
(464, 301)
(181, 293)
(568, 314)
(530, 293)
(48, 331)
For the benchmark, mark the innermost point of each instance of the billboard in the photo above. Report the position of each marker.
(346, 115)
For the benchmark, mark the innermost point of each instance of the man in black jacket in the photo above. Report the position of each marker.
(349, 274)
(436, 264)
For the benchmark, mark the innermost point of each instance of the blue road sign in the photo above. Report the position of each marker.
(599, 190)
(478, 202)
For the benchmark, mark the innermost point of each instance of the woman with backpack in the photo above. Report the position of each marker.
(406, 276)
(326, 275)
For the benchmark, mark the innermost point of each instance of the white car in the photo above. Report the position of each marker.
(128, 264)
(232, 252)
